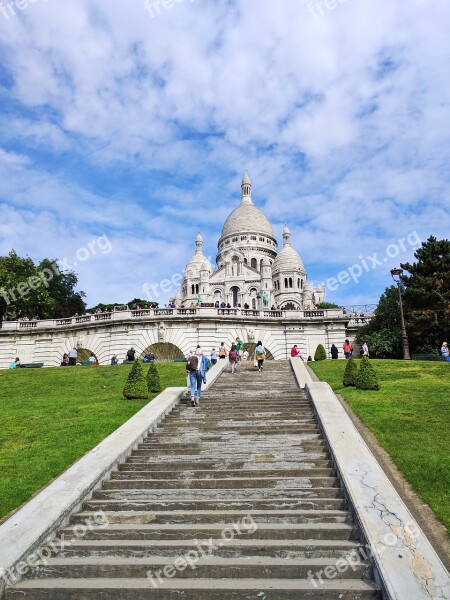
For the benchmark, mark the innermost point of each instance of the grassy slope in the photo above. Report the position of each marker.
(410, 418)
(51, 417)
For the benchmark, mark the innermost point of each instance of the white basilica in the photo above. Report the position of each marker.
(251, 272)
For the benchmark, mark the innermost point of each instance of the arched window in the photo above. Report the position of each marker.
(254, 263)
(193, 289)
(290, 282)
(285, 282)
(254, 303)
(196, 289)
(245, 261)
(261, 264)
(302, 284)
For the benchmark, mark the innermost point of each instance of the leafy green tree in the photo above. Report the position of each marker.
(62, 290)
(23, 291)
(383, 333)
(350, 373)
(320, 353)
(153, 380)
(136, 385)
(325, 305)
(366, 378)
(427, 295)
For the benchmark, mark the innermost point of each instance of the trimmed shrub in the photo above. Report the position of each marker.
(153, 380)
(320, 353)
(136, 385)
(350, 373)
(367, 378)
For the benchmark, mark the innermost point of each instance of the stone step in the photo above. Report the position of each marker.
(149, 473)
(222, 484)
(262, 531)
(219, 517)
(253, 429)
(256, 462)
(193, 589)
(217, 568)
(293, 491)
(235, 548)
(236, 503)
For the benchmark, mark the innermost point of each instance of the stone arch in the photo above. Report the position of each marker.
(83, 355)
(163, 351)
(251, 350)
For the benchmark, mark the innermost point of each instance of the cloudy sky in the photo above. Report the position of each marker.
(135, 121)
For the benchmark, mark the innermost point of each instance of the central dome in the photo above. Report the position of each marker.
(247, 217)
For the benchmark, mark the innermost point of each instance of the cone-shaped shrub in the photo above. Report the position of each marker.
(350, 374)
(366, 378)
(320, 353)
(153, 380)
(136, 385)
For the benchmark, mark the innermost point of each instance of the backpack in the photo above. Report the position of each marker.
(260, 352)
(192, 363)
(233, 355)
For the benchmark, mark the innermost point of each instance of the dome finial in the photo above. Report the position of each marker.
(199, 244)
(246, 188)
(286, 236)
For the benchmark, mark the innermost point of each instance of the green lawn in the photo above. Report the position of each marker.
(51, 417)
(410, 416)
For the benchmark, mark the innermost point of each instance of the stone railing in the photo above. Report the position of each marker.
(177, 313)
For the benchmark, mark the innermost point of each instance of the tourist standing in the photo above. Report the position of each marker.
(365, 349)
(214, 356)
(334, 352)
(260, 355)
(222, 351)
(348, 349)
(233, 358)
(73, 357)
(195, 379)
(445, 352)
(239, 348)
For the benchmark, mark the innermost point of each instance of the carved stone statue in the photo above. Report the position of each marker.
(161, 333)
(251, 336)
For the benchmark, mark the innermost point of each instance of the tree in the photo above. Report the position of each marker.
(136, 385)
(366, 378)
(320, 353)
(350, 373)
(325, 305)
(153, 380)
(23, 288)
(427, 296)
(383, 333)
(62, 290)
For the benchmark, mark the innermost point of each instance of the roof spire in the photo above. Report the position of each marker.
(286, 236)
(246, 189)
(199, 244)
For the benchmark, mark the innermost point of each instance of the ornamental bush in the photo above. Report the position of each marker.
(153, 380)
(366, 378)
(320, 353)
(350, 373)
(136, 385)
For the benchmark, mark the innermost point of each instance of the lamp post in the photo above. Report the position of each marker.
(396, 274)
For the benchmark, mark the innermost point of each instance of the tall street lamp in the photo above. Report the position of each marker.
(396, 275)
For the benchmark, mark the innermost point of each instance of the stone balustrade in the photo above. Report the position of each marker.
(177, 313)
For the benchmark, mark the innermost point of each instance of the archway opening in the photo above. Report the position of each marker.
(83, 355)
(235, 295)
(163, 351)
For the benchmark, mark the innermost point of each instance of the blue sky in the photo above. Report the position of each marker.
(136, 127)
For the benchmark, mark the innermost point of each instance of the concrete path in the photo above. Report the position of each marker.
(233, 499)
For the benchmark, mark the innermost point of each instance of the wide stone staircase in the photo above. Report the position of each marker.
(234, 499)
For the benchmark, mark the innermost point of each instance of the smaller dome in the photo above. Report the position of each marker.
(198, 262)
(288, 260)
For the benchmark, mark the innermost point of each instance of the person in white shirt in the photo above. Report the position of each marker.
(214, 356)
(245, 354)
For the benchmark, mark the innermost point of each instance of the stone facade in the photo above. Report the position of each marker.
(251, 272)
